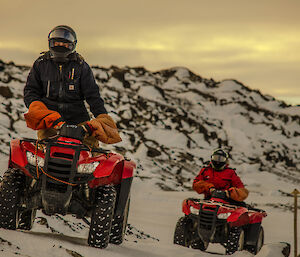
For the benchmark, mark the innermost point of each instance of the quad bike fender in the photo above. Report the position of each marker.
(187, 204)
(113, 170)
(185, 207)
(256, 217)
(17, 156)
(106, 167)
(129, 167)
(239, 217)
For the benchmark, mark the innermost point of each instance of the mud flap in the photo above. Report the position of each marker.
(123, 196)
(252, 232)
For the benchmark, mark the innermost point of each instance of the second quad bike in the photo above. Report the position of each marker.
(217, 220)
(63, 176)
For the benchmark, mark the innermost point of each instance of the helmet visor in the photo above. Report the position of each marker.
(218, 158)
(62, 33)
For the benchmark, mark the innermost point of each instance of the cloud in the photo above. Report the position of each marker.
(252, 41)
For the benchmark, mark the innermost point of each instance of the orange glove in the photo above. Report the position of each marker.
(40, 117)
(105, 129)
(202, 186)
(238, 194)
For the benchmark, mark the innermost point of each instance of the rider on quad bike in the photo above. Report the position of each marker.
(64, 171)
(218, 176)
(57, 85)
(222, 216)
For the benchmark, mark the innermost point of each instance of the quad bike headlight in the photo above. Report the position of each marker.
(224, 216)
(87, 168)
(31, 158)
(194, 210)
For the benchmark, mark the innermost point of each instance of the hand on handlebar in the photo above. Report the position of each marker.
(219, 193)
(88, 128)
(211, 190)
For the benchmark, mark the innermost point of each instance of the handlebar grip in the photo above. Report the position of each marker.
(88, 129)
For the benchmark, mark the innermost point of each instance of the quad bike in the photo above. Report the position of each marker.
(63, 176)
(217, 220)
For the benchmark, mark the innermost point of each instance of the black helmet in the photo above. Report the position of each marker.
(64, 34)
(219, 159)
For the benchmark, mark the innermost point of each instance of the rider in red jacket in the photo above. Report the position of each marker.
(218, 176)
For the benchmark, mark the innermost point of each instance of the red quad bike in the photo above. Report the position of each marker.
(218, 220)
(63, 176)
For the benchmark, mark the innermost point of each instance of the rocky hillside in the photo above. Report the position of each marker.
(172, 119)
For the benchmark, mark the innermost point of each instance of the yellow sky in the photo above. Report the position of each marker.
(256, 42)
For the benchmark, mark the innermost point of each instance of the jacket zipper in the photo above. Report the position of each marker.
(60, 93)
(48, 89)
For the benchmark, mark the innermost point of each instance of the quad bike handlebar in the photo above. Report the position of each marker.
(71, 131)
(221, 194)
(74, 131)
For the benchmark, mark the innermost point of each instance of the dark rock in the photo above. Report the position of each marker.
(6, 92)
(153, 152)
(286, 250)
(119, 74)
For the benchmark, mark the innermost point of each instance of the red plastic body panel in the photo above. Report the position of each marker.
(240, 216)
(114, 178)
(27, 146)
(17, 156)
(67, 140)
(186, 205)
(111, 169)
(256, 217)
(57, 149)
(129, 167)
(106, 167)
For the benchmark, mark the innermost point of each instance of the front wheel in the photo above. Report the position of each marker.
(102, 216)
(10, 192)
(181, 236)
(236, 240)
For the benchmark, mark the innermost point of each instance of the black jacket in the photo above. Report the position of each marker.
(63, 87)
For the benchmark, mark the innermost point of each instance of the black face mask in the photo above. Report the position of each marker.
(60, 49)
(218, 165)
(60, 54)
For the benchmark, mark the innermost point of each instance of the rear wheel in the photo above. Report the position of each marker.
(235, 242)
(119, 226)
(102, 216)
(10, 192)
